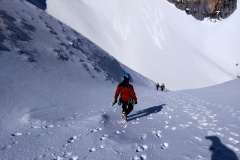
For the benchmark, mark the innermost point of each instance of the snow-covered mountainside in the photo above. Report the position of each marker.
(157, 40)
(56, 94)
(37, 38)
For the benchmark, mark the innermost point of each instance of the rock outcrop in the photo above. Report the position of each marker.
(42, 4)
(200, 9)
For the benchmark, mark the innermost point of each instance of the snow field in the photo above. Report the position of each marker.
(182, 123)
(56, 92)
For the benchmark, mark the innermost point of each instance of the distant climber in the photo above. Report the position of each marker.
(162, 86)
(157, 86)
(127, 96)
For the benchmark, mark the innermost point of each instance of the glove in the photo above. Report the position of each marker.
(114, 102)
(135, 102)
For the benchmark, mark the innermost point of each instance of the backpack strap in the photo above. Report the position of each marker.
(122, 90)
(120, 93)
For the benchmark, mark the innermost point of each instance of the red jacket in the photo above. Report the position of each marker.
(127, 91)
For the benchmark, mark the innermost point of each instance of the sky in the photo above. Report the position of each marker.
(56, 94)
(157, 40)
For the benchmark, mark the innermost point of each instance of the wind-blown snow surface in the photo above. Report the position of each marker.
(156, 39)
(55, 101)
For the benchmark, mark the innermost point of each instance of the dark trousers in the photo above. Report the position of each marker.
(127, 108)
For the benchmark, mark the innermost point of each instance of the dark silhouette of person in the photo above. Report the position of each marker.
(162, 87)
(157, 86)
(220, 151)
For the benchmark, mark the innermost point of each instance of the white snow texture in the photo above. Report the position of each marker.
(57, 88)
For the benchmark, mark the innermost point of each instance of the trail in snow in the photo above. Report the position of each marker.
(102, 134)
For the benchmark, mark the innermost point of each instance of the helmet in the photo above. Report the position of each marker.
(127, 76)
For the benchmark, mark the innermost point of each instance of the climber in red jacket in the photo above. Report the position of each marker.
(127, 96)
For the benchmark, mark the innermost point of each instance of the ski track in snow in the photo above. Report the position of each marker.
(108, 129)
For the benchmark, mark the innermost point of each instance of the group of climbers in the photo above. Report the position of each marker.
(162, 86)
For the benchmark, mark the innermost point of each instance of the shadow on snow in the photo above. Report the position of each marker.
(219, 150)
(146, 112)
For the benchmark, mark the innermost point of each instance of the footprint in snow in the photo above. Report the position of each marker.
(136, 122)
(157, 133)
(6, 147)
(49, 126)
(165, 145)
(197, 138)
(124, 126)
(64, 155)
(35, 127)
(234, 141)
(119, 132)
(211, 133)
(9, 146)
(143, 136)
(119, 122)
(104, 137)
(165, 127)
(72, 139)
(17, 134)
(173, 128)
(96, 129)
(141, 157)
(93, 149)
(184, 125)
(102, 121)
(121, 153)
(141, 148)
(234, 134)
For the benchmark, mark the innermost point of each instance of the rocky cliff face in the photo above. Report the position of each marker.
(42, 4)
(200, 9)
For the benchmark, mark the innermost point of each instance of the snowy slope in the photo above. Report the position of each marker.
(158, 40)
(56, 89)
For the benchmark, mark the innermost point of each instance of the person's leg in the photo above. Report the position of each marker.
(124, 111)
(124, 107)
(129, 109)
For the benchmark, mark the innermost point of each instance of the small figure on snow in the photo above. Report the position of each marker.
(162, 86)
(157, 86)
(127, 96)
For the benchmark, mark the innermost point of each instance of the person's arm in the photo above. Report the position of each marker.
(117, 92)
(133, 94)
(116, 96)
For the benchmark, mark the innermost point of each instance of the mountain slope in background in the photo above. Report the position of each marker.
(35, 44)
(56, 89)
(158, 40)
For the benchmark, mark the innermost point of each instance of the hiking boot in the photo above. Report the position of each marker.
(124, 116)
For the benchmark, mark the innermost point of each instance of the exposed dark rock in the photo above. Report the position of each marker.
(200, 9)
(39, 3)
